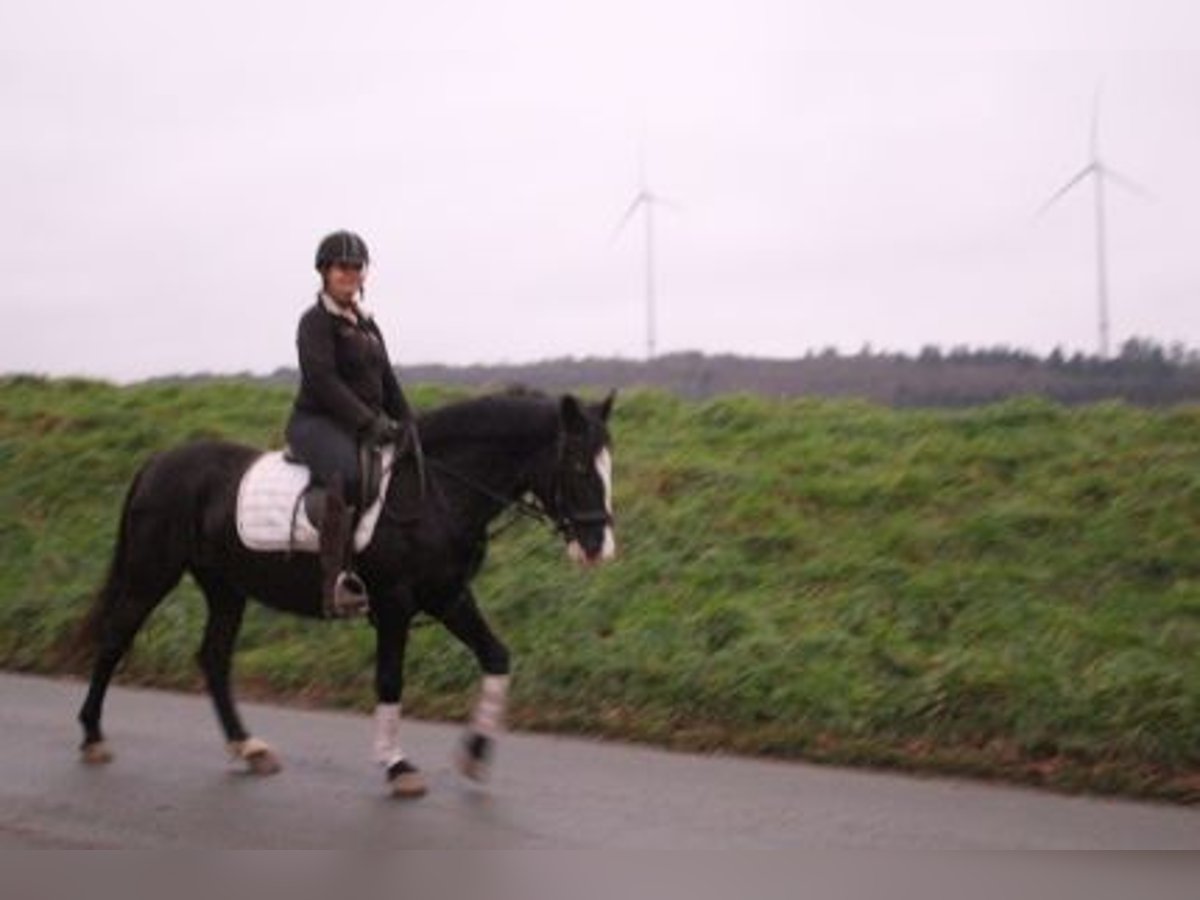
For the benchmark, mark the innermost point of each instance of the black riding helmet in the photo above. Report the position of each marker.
(342, 246)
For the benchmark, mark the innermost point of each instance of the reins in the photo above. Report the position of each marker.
(563, 521)
(523, 508)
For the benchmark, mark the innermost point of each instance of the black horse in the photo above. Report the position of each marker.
(481, 456)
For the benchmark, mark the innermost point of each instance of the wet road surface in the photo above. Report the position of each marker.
(171, 786)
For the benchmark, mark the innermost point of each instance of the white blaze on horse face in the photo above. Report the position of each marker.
(608, 548)
(604, 468)
(387, 734)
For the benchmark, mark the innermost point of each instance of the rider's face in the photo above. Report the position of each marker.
(343, 281)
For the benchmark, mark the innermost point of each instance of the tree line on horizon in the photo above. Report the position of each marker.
(1143, 372)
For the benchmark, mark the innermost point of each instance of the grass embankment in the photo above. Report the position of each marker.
(1011, 590)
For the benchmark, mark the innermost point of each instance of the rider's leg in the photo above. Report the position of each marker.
(332, 454)
(334, 533)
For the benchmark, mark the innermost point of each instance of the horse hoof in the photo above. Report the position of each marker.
(475, 757)
(96, 754)
(258, 756)
(474, 769)
(406, 781)
(263, 762)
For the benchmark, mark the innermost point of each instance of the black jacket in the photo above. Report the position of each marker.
(345, 372)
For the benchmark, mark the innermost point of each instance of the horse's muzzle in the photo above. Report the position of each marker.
(584, 557)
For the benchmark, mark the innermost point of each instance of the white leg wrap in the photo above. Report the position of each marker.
(387, 734)
(488, 717)
(247, 748)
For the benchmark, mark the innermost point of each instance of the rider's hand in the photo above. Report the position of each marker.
(382, 430)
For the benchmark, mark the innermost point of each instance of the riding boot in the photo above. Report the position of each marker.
(342, 591)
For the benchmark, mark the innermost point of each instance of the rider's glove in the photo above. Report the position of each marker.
(383, 430)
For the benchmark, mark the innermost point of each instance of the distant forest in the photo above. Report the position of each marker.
(1143, 372)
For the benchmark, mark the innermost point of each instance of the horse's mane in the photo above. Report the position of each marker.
(514, 413)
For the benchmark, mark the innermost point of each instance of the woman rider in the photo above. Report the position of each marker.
(349, 396)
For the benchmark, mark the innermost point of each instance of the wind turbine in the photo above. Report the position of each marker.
(645, 200)
(1099, 172)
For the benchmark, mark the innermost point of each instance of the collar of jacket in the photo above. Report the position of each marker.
(354, 313)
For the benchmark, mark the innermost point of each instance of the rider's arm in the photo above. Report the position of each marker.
(395, 404)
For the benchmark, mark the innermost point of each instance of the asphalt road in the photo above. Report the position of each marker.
(171, 786)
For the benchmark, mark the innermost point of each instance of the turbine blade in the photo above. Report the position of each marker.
(1095, 137)
(1082, 174)
(667, 202)
(638, 200)
(1128, 183)
(642, 160)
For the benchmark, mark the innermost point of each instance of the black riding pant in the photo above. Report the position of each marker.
(327, 448)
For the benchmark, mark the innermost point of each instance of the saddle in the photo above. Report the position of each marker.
(370, 472)
(278, 506)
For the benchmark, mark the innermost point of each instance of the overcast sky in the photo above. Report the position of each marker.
(845, 173)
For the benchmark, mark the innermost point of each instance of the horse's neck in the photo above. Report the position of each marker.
(499, 472)
(496, 443)
(491, 475)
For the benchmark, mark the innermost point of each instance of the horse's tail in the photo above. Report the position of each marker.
(87, 635)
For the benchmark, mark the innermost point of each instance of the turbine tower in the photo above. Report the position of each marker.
(1099, 172)
(645, 200)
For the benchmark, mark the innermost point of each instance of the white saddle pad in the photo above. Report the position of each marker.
(270, 516)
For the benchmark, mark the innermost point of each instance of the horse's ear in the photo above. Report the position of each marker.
(604, 410)
(571, 414)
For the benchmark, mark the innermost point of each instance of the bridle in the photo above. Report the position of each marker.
(568, 521)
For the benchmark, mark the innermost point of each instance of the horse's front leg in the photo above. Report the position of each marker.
(392, 618)
(466, 623)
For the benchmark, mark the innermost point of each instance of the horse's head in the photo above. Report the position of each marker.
(578, 490)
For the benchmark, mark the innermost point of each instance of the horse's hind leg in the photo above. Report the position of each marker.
(226, 606)
(116, 636)
(137, 586)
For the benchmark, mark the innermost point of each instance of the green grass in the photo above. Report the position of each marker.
(1008, 591)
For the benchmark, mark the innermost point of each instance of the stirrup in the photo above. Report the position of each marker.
(349, 597)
